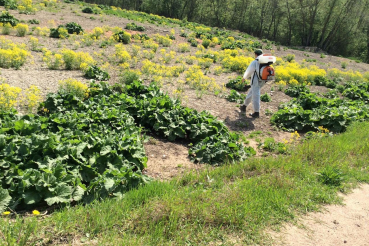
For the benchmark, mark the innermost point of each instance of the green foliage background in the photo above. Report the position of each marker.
(340, 27)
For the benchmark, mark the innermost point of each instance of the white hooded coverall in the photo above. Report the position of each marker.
(254, 93)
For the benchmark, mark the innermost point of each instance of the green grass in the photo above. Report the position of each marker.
(232, 203)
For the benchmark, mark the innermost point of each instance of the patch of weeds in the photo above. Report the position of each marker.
(290, 57)
(234, 96)
(33, 21)
(265, 97)
(255, 133)
(310, 60)
(271, 145)
(242, 124)
(331, 176)
(268, 112)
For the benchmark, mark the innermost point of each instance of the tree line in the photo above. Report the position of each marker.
(340, 27)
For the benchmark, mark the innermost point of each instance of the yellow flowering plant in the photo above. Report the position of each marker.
(12, 55)
(9, 96)
(73, 87)
(21, 29)
(6, 28)
(121, 55)
(32, 97)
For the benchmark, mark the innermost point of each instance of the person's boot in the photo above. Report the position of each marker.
(243, 108)
(255, 115)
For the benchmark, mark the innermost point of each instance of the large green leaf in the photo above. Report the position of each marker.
(62, 194)
(5, 199)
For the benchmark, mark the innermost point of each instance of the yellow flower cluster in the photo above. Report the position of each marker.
(197, 80)
(151, 45)
(151, 68)
(5, 28)
(63, 33)
(292, 72)
(22, 29)
(205, 62)
(26, 7)
(148, 54)
(215, 40)
(49, 3)
(8, 96)
(74, 87)
(11, 96)
(202, 29)
(165, 41)
(35, 212)
(77, 60)
(166, 57)
(183, 47)
(203, 53)
(135, 50)
(34, 43)
(69, 59)
(349, 75)
(32, 97)
(218, 70)
(323, 130)
(53, 61)
(190, 59)
(237, 64)
(96, 33)
(121, 55)
(12, 55)
(41, 31)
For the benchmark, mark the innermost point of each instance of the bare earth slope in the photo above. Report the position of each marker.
(336, 225)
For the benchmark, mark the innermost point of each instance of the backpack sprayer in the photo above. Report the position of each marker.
(266, 71)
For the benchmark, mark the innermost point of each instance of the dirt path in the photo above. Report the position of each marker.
(337, 225)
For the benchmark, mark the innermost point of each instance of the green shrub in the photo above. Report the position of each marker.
(122, 37)
(94, 72)
(265, 97)
(331, 84)
(33, 21)
(271, 145)
(234, 96)
(237, 84)
(6, 17)
(134, 27)
(331, 176)
(321, 80)
(88, 10)
(73, 27)
(290, 57)
(59, 32)
(295, 91)
(128, 76)
(206, 43)
(9, 4)
(340, 88)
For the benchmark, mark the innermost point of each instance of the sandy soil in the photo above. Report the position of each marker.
(336, 225)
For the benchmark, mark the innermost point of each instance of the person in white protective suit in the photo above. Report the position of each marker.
(254, 93)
